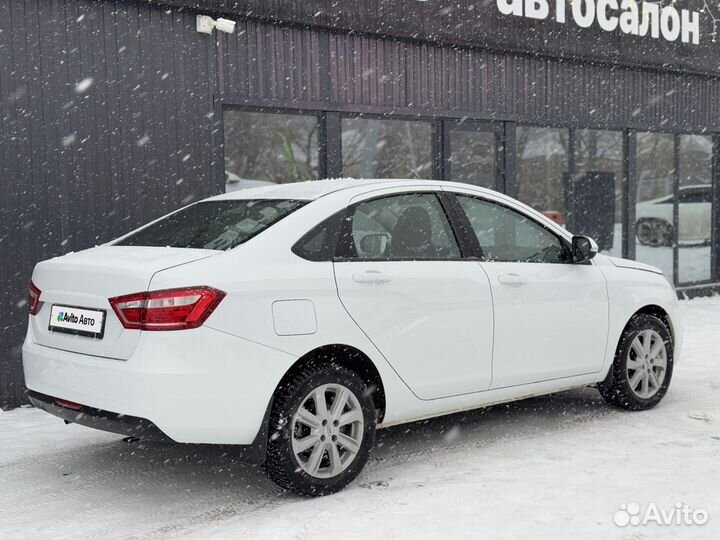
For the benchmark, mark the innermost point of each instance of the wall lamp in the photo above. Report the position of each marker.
(205, 25)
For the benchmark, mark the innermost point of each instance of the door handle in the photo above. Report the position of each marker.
(371, 276)
(512, 279)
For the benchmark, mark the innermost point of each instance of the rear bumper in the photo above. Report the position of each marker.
(196, 386)
(141, 428)
(132, 426)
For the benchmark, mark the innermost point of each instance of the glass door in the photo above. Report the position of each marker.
(474, 153)
(674, 200)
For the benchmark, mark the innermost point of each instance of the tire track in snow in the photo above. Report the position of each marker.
(267, 504)
(90, 483)
(177, 495)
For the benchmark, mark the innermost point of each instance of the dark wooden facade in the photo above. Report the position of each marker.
(109, 110)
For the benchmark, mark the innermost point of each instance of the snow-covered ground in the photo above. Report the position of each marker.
(553, 467)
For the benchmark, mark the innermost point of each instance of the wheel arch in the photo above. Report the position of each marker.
(350, 358)
(656, 311)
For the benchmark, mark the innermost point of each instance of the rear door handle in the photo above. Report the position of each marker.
(371, 276)
(512, 279)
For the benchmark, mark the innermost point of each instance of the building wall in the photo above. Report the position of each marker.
(108, 113)
(79, 166)
(479, 23)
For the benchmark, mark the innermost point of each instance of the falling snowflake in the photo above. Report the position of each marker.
(83, 85)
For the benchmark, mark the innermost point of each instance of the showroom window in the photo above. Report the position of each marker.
(473, 154)
(595, 193)
(655, 178)
(542, 166)
(268, 147)
(694, 208)
(373, 148)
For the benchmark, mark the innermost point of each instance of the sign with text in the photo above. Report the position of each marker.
(626, 16)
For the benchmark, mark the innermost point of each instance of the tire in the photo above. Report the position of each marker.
(654, 232)
(629, 385)
(328, 465)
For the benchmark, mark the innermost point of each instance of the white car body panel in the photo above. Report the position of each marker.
(437, 334)
(213, 384)
(542, 322)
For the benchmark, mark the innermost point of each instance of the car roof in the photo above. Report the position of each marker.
(314, 189)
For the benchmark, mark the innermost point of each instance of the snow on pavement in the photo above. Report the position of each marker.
(552, 467)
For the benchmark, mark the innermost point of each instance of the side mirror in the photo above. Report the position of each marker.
(374, 245)
(583, 248)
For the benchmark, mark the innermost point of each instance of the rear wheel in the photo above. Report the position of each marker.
(324, 426)
(641, 372)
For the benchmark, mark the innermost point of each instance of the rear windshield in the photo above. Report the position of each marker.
(213, 224)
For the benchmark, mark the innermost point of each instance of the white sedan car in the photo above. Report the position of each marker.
(296, 319)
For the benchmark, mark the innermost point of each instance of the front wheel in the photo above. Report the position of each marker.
(654, 232)
(322, 429)
(643, 366)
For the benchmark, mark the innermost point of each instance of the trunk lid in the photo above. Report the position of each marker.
(87, 279)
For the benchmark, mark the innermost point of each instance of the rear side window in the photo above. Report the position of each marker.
(217, 225)
(320, 242)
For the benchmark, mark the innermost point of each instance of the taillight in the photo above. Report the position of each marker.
(170, 309)
(33, 300)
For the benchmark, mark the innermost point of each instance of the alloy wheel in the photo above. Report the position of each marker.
(646, 364)
(327, 430)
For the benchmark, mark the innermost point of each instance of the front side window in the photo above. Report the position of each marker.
(508, 236)
(696, 195)
(217, 225)
(409, 226)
